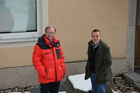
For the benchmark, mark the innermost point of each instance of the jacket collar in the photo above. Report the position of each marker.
(47, 41)
(99, 46)
(43, 40)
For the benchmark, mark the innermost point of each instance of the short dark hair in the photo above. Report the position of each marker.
(48, 27)
(96, 30)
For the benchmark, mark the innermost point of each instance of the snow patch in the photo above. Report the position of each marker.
(80, 83)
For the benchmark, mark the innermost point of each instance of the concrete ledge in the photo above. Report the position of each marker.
(132, 77)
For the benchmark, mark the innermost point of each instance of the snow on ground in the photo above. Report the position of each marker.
(80, 83)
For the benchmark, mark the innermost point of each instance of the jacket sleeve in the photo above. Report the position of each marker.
(107, 62)
(36, 59)
(62, 59)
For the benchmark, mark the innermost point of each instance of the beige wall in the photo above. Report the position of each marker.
(19, 56)
(74, 21)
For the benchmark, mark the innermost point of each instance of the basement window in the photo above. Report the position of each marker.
(19, 20)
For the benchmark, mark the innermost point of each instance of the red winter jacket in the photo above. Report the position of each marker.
(48, 60)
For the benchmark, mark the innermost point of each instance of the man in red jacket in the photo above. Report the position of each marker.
(48, 60)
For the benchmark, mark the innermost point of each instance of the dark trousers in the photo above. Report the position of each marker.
(50, 87)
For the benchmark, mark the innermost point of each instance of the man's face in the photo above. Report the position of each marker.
(50, 33)
(95, 37)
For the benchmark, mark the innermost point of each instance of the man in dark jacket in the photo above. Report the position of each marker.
(48, 60)
(99, 62)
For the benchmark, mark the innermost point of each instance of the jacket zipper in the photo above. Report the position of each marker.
(55, 63)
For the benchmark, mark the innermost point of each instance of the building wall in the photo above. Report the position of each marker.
(74, 21)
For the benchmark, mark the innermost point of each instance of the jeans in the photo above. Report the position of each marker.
(97, 88)
(50, 87)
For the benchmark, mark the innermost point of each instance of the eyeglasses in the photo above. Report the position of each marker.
(50, 32)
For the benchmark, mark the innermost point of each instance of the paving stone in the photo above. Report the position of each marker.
(35, 90)
(62, 87)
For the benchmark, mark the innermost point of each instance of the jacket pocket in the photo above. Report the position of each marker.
(47, 52)
(50, 74)
(101, 78)
(61, 72)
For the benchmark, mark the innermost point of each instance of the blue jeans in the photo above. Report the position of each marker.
(97, 88)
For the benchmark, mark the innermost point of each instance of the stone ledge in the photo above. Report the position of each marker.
(132, 77)
(138, 85)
